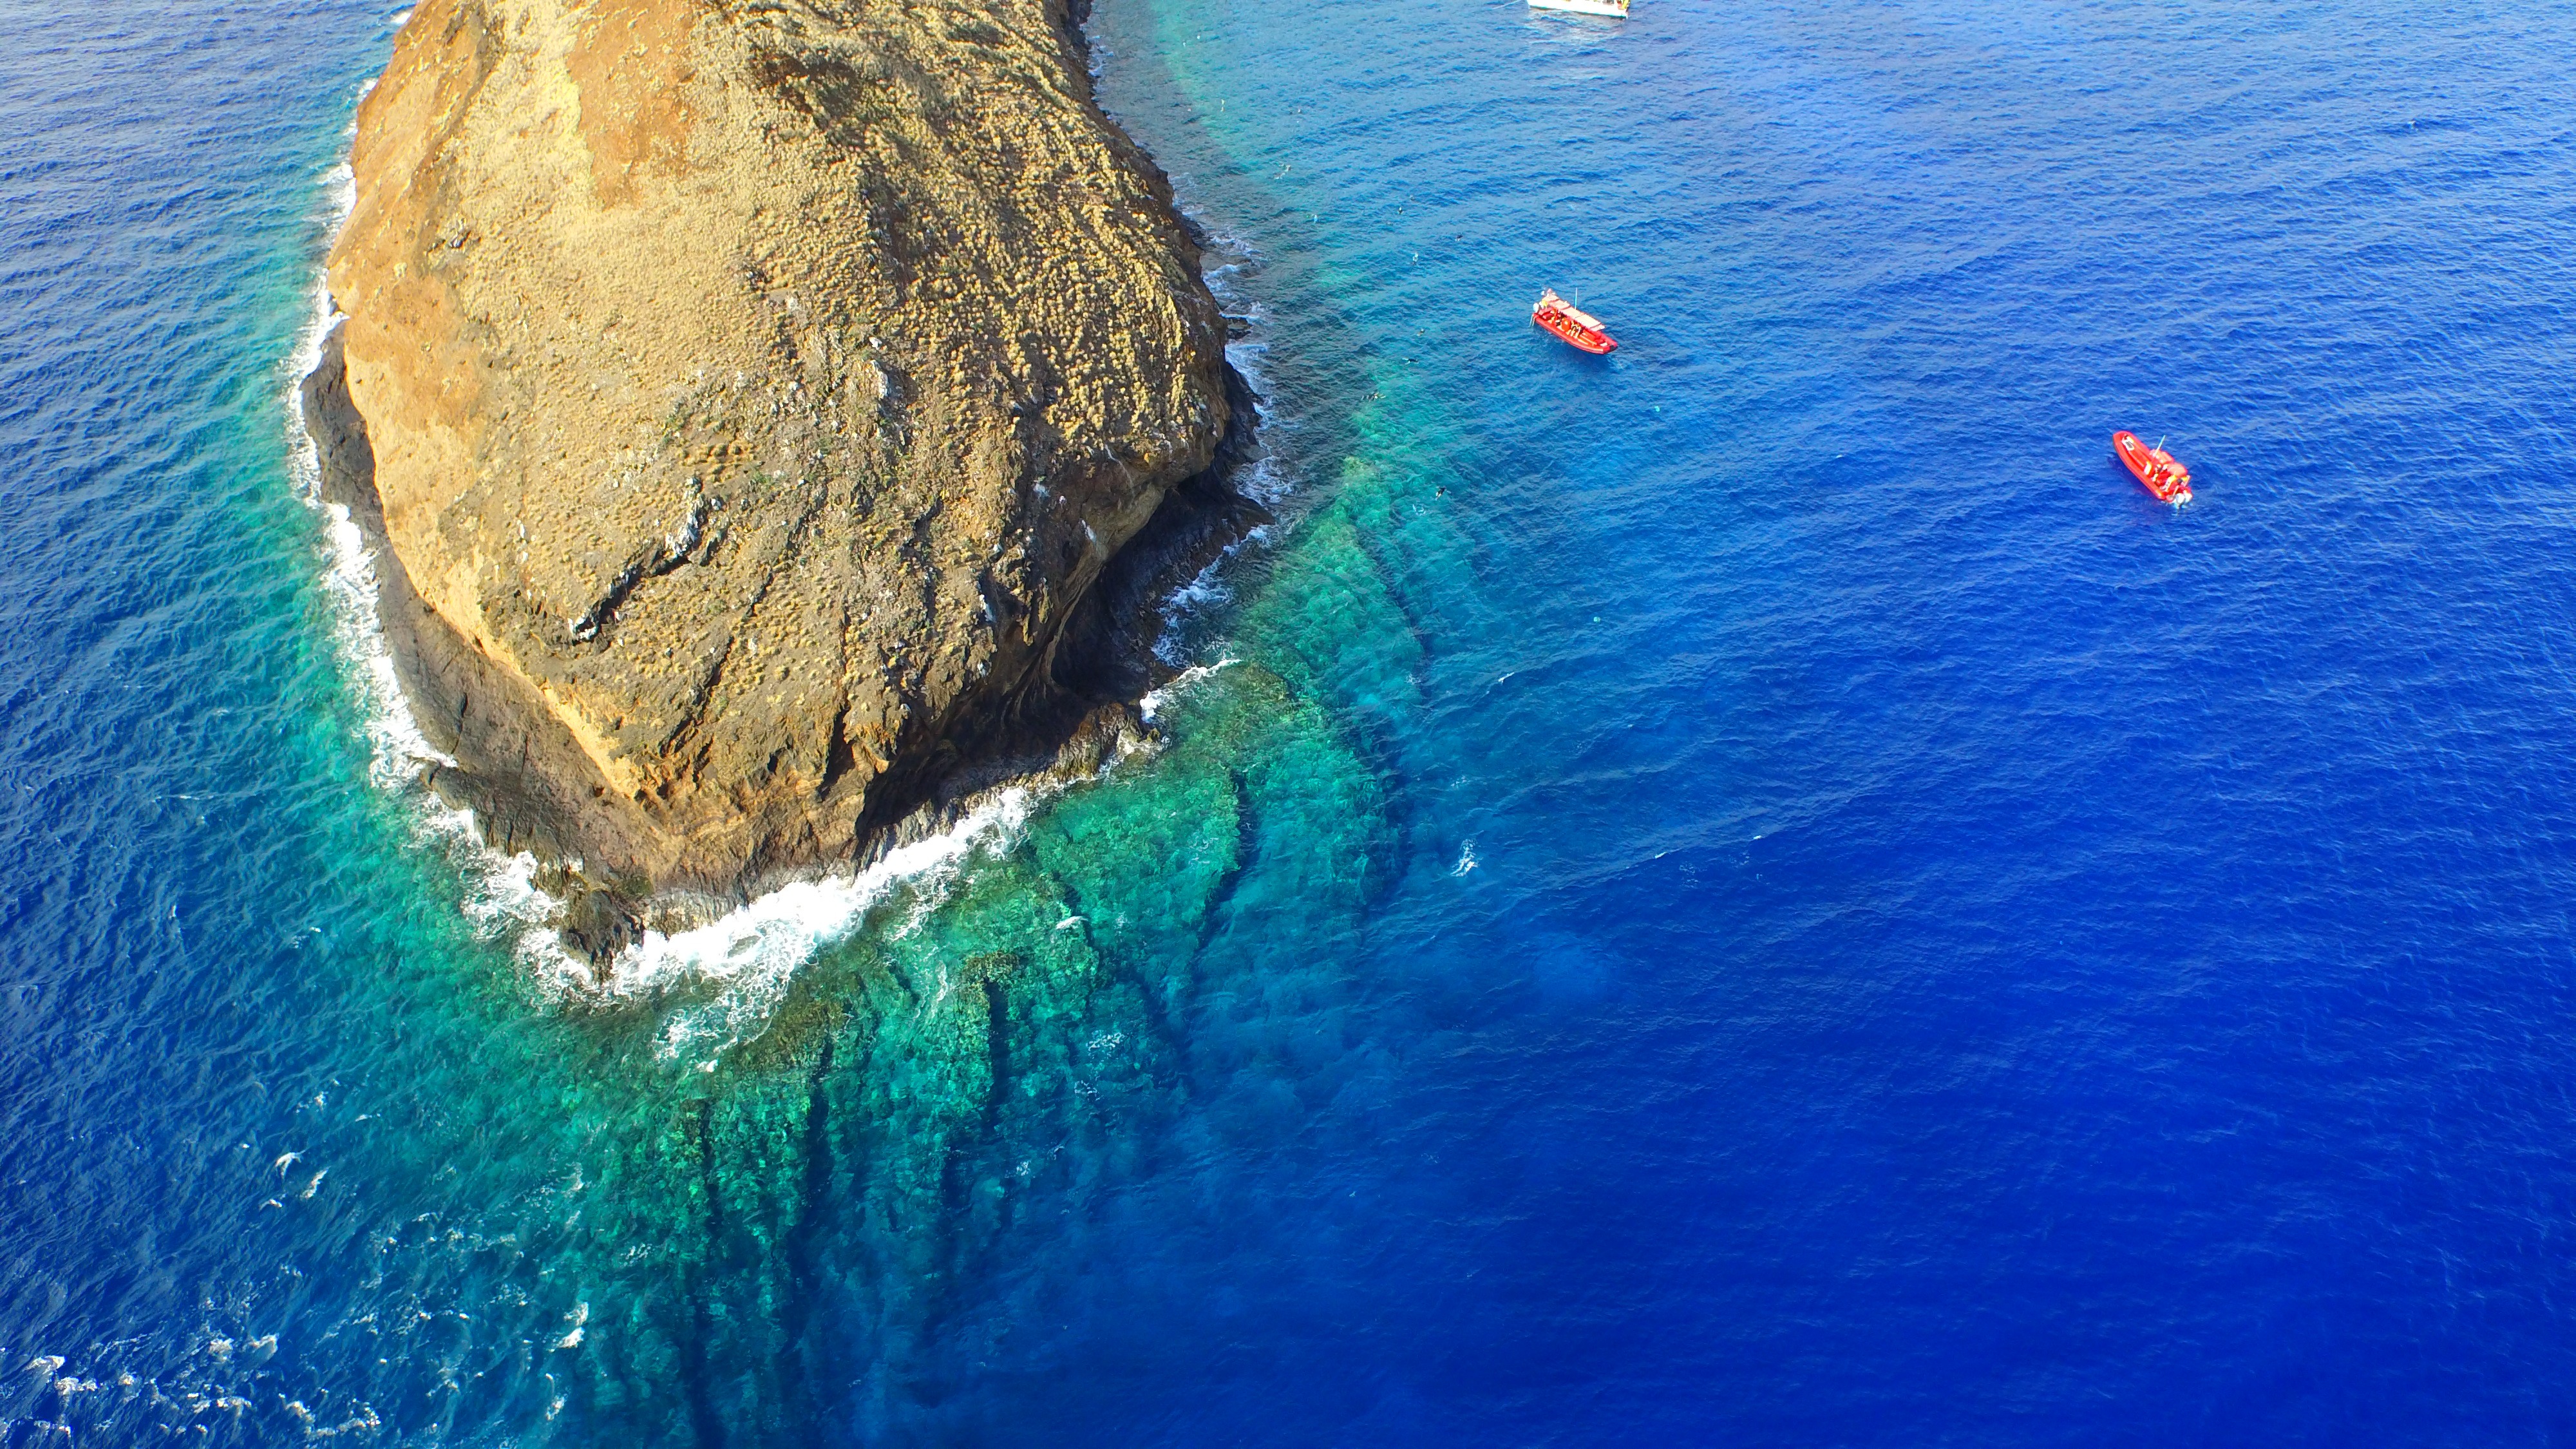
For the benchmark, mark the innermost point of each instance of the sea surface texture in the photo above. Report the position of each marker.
(1753, 891)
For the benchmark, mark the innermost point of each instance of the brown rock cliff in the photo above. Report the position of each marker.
(754, 392)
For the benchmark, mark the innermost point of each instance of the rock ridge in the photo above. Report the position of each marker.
(769, 414)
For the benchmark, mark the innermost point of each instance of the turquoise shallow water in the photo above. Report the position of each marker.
(1752, 891)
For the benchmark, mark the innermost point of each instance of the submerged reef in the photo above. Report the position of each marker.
(898, 1155)
(919, 1151)
(760, 407)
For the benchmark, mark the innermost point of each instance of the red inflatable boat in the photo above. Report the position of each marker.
(2169, 480)
(1582, 329)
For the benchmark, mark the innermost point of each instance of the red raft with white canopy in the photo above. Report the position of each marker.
(1581, 329)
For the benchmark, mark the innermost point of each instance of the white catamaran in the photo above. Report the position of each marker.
(1615, 9)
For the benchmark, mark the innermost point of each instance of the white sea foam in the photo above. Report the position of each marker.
(1206, 591)
(1265, 479)
(401, 753)
(1152, 705)
(578, 1318)
(751, 954)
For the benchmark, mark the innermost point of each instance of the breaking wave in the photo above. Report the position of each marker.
(752, 953)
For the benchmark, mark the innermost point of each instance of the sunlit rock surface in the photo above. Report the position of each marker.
(754, 394)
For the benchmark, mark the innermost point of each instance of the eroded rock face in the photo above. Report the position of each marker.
(754, 390)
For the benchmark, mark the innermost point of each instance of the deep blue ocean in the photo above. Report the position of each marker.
(1756, 891)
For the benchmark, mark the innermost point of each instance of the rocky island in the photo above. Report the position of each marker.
(765, 410)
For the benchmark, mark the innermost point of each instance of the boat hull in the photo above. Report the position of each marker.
(1614, 9)
(1576, 329)
(2154, 468)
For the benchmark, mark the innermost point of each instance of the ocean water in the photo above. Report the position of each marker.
(1753, 891)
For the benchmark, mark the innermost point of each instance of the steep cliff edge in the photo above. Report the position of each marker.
(753, 392)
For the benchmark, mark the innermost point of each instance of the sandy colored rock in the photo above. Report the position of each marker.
(755, 391)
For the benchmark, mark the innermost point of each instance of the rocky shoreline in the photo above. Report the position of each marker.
(923, 545)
